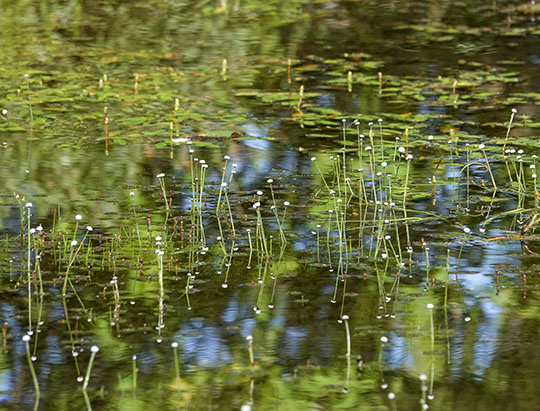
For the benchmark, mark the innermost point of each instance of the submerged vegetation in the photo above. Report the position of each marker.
(235, 220)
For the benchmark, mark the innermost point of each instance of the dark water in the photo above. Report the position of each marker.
(88, 130)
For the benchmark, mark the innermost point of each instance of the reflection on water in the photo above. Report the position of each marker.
(90, 127)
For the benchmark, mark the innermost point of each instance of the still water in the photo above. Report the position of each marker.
(390, 260)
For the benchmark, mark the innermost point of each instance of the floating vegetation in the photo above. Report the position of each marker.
(238, 205)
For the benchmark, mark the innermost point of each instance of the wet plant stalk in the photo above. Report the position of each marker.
(135, 370)
(94, 349)
(174, 346)
(249, 339)
(26, 339)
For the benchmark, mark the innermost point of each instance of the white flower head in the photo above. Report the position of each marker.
(160, 175)
(78, 217)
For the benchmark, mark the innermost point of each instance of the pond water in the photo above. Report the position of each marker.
(245, 204)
